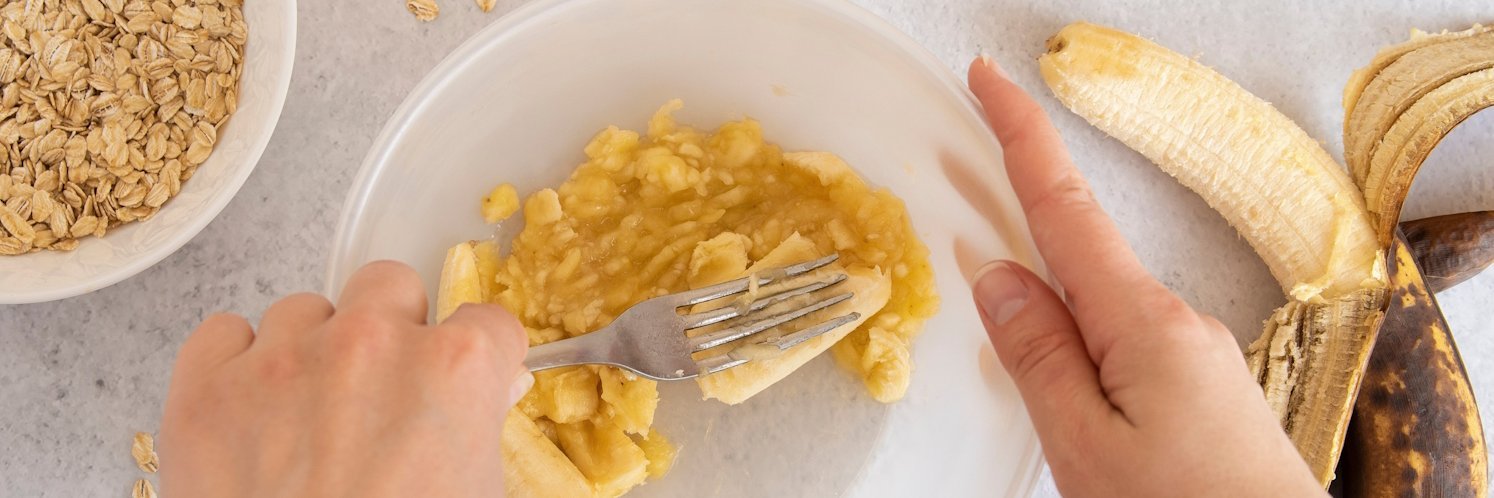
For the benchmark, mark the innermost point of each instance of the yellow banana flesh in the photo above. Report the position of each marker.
(1277, 187)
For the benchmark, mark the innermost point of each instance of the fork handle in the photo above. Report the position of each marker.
(579, 350)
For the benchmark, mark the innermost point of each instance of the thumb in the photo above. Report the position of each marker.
(510, 342)
(1040, 346)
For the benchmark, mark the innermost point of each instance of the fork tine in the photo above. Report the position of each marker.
(730, 359)
(718, 363)
(701, 319)
(730, 334)
(740, 285)
(797, 338)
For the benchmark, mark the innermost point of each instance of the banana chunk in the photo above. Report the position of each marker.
(460, 281)
(533, 467)
(872, 289)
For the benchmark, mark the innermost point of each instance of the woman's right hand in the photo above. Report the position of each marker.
(1132, 392)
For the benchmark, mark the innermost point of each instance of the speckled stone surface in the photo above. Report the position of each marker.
(78, 377)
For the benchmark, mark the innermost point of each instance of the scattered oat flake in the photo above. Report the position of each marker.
(425, 10)
(143, 489)
(486, 5)
(144, 451)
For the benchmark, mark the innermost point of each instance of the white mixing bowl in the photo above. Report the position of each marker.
(517, 103)
(128, 250)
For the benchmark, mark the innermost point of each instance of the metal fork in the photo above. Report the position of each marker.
(649, 338)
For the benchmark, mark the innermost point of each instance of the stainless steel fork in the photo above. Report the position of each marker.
(649, 338)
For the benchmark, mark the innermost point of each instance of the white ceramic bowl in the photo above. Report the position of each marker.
(128, 250)
(517, 103)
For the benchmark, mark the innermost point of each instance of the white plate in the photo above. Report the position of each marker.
(126, 251)
(517, 103)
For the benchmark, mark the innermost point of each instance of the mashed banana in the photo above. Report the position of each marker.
(659, 213)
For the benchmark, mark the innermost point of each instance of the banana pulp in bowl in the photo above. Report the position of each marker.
(518, 104)
(677, 209)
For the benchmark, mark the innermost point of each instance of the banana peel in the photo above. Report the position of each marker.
(1416, 428)
(1397, 109)
(1452, 248)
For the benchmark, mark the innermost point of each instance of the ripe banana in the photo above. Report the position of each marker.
(1400, 107)
(1273, 183)
(1453, 248)
(1416, 431)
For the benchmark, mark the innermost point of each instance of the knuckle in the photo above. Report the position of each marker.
(390, 270)
(1163, 309)
(494, 323)
(1173, 310)
(462, 344)
(1067, 194)
(1018, 123)
(1034, 351)
(307, 300)
(278, 368)
(358, 332)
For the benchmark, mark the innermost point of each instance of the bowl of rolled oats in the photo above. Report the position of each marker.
(125, 127)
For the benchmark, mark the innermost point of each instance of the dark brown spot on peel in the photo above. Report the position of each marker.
(1378, 397)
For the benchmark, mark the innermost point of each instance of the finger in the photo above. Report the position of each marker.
(220, 337)
(1040, 346)
(505, 332)
(385, 288)
(290, 317)
(1077, 239)
(1218, 332)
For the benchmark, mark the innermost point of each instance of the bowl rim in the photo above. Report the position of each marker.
(194, 226)
(524, 16)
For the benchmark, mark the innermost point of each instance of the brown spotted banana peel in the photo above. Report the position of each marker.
(1416, 428)
(1276, 185)
(1400, 107)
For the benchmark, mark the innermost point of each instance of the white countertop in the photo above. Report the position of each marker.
(78, 377)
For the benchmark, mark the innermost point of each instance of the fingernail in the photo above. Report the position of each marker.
(995, 68)
(521, 386)
(999, 292)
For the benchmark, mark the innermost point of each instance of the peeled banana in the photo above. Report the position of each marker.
(1284, 194)
(1399, 107)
